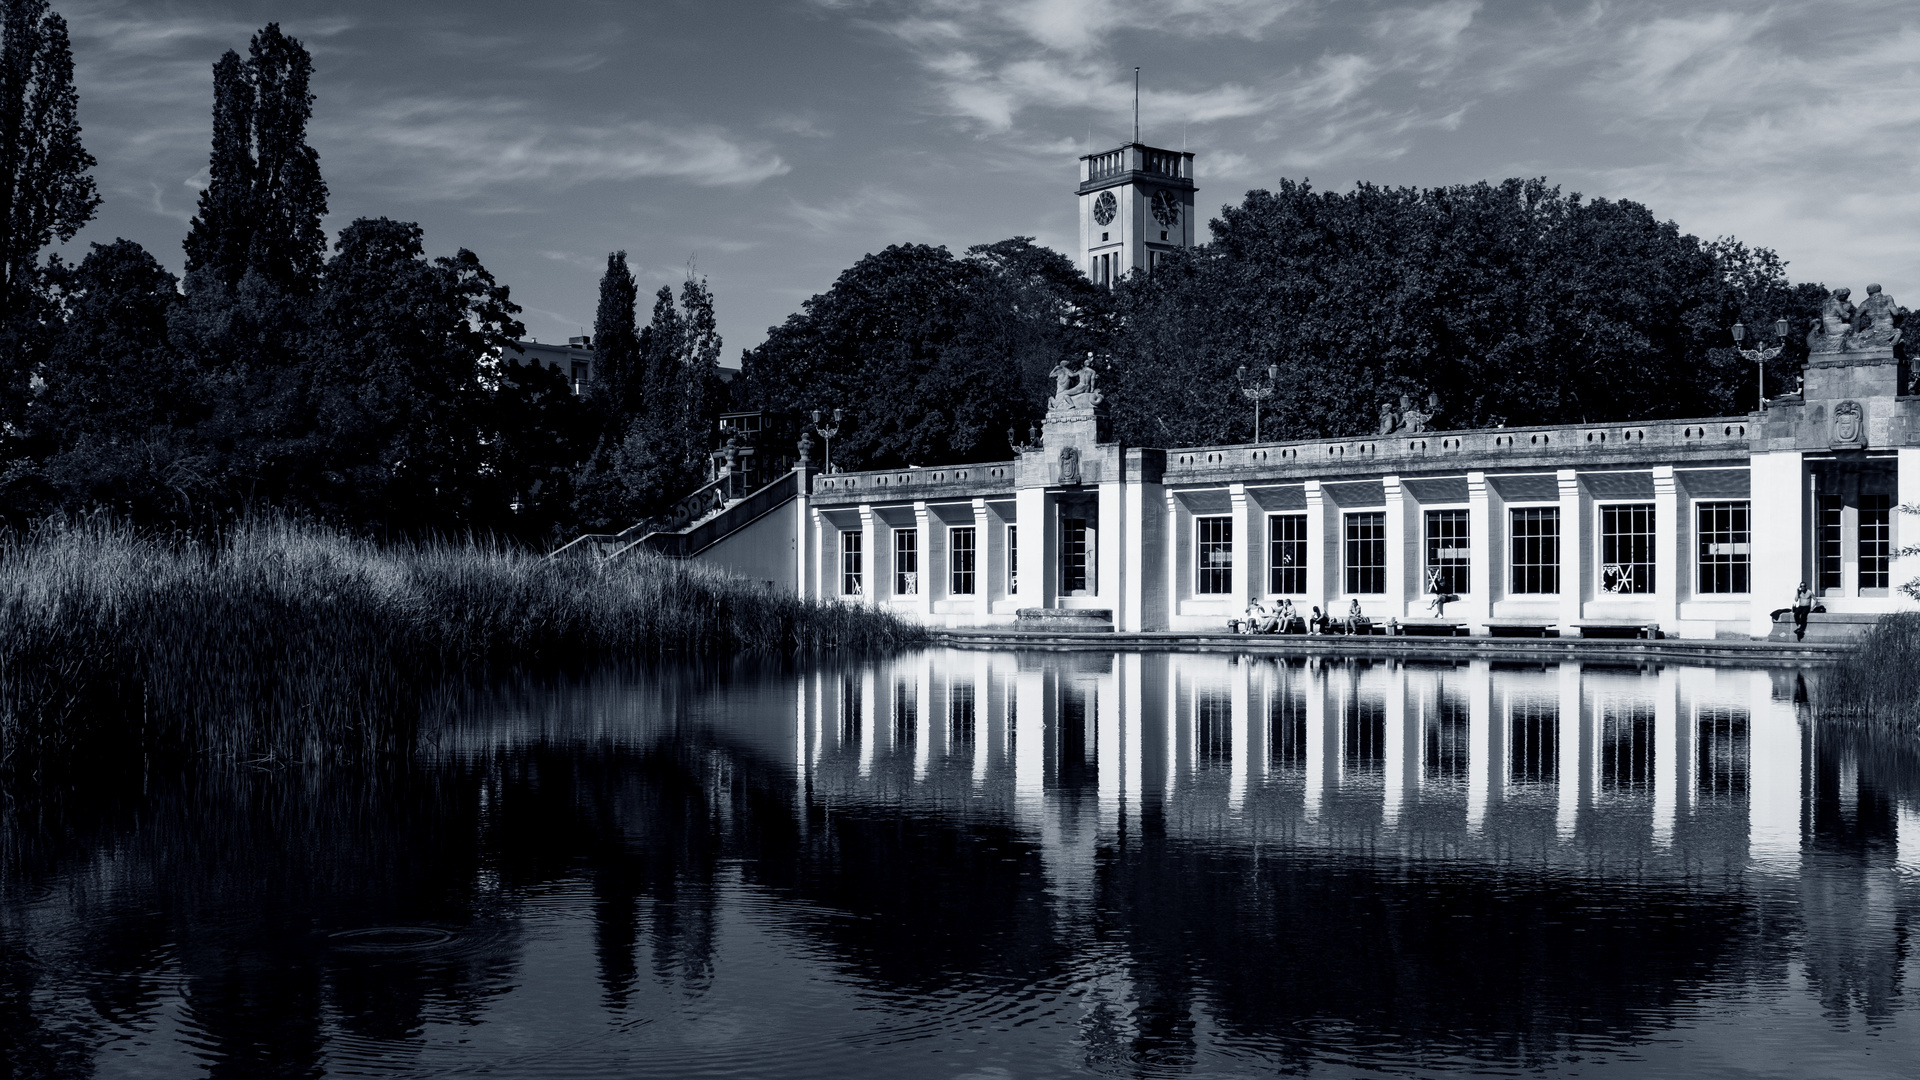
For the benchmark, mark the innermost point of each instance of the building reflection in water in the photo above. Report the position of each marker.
(1178, 862)
(1563, 763)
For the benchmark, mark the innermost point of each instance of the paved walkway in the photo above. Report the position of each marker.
(1583, 650)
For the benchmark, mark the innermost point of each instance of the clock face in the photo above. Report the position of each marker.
(1104, 207)
(1166, 208)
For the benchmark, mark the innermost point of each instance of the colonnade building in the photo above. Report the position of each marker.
(1699, 527)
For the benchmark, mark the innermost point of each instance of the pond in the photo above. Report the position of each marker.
(998, 864)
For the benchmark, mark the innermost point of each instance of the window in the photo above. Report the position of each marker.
(1366, 553)
(1533, 740)
(1013, 560)
(1724, 754)
(851, 576)
(1213, 729)
(1287, 542)
(1626, 746)
(960, 717)
(1876, 538)
(1724, 547)
(1073, 556)
(1829, 549)
(1213, 554)
(1626, 548)
(1536, 550)
(960, 560)
(1447, 555)
(906, 562)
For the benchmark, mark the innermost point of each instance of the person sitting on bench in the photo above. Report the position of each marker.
(1356, 619)
(1441, 595)
(1287, 616)
(1317, 624)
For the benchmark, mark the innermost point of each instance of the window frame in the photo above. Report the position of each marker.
(1279, 571)
(1602, 539)
(906, 561)
(1881, 560)
(1215, 578)
(1457, 572)
(1544, 569)
(1739, 564)
(1013, 559)
(853, 576)
(1355, 574)
(956, 571)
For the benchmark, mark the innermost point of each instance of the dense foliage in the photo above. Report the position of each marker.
(373, 385)
(1513, 302)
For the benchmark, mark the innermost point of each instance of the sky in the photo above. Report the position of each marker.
(768, 144)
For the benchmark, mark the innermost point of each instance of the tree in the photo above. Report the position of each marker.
(45, 189)
(399, 349)
(616, 343)
(933, 358)
(1515, 303)
(264, 200)
(120, 403)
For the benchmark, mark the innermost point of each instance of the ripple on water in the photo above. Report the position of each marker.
(404, 940)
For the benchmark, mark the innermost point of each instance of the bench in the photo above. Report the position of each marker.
(1619, 628)
(1522, 628)
(1432, 628)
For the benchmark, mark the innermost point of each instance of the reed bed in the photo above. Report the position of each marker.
(1878, 685)
(288, 641)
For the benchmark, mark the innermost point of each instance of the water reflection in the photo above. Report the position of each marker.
(963, 862)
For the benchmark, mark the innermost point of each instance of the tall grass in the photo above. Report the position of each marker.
(1878, 685)
(295, 642)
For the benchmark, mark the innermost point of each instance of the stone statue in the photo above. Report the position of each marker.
(1875, 321)
(806, 447)
(1069, 466)
(1835, 325)
(1849, 428)
(1073, 389)
(1412, 420)
(1388, 421)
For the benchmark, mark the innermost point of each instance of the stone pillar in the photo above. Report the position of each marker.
(1035, 530)
(1110, 545)
(929, 565)
(1143, 563)
(1319, 574)
(1670, 563)
(824, 564)
(872, 566)
(1174, 578)
(1778, 524)
(1573, 547)
(983, 543)
(1396, 521)
(1480, 563)
(802, 520)
(1242, 533)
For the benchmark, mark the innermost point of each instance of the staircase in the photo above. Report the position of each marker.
(694, 524)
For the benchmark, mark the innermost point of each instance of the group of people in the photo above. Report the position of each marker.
(1282, 618)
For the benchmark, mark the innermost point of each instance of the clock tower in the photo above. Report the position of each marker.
(1136, 205)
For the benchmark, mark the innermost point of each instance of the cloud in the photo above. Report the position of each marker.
(453, 147)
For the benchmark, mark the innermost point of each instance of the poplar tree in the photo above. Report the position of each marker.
(45, 189)
(265, 198)
(616, 344)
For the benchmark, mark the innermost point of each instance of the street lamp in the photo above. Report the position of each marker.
(1761, 354)
(1258, 392)
(827, 432)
